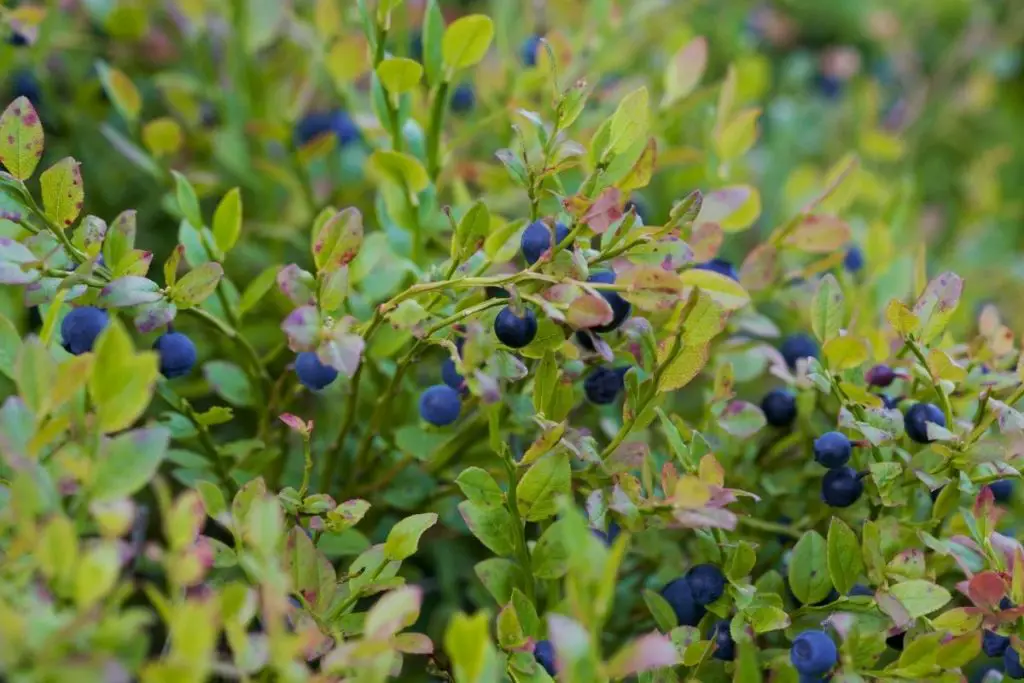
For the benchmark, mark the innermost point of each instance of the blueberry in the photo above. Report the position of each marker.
(177, 354)
(1006, 603)
(81, 327)
(544, 653)
(1002, 490)
(440, 405)
(312, 373)
(603, 385)
(880, 376)
(463, 98)
(797, 346)
(585, 340)
(338, 122)
(494, 292)
(890, 402)
(841, 487)
(17, 39)
(832, 449)
(720, 266)
(832, 596)
(916, 418)
(779, 407)
(450, 375)
(854, 259)
(994, 644)
(607, 537)
(725, 646)
(707, 582)
(416, 46)
(25, 84)
(679, 596)
(1012, 665)
(536, 239)
(896, 641)
(529, 50)
(813, 653)
(830, 86)
(513, 331)
(861, 589)
(620, 307)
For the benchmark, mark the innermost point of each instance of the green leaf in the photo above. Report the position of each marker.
(433, 35)
(96, 574)
(121, 385)
(472, 229)
(121, 91)
(227, 220)
(257, 289)
(213, 498)
(684, 71)
(550, 558)
(402, 169)
(229, 381)
(808, 570)
(663, 614)
(197, 285)
(10, 347)
(468, 643)
(722, 290)
(937, 304)
(36, 375)
(466, 41)
(188, 202)
(630, 122)
(130, 290)
(499, 576)
(827, 309)
(540, 487)
(120, 239)
(129, 462)
(399, 74)
(736, 137)
(63, 192)
(404, 538)
(845, 565)
(492, 525)
(733, 208)
(480, 487)
(920, 597)
(338, 239)
(741, 561)
(21, 138)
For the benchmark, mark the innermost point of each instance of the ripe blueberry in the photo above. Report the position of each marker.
(841, 487)
(603, 384)
(720, 266)
(854, 259)
(450, 375)
(861, 589)
(896, 641)
(529, 50)
(177, 354)
(338, 122)
(797, 346)
(544, 653)
(880, 375)
(1002, 490)
(17, 39)
(620, 307)
(25, 84)
(80, 328)
(813, 653)
(830, 86)
(312, 373)
(994, 644)
(725, 646)
(679, 596)
(536, 239)
(916, 418)
(513, 331)
(779, 407)
(440, 405)
(1012, 665)
(707, 583)
(585, 340)
(832, 449)
(463, 98)
(890, 402)
(607, 537)
(1006, 603)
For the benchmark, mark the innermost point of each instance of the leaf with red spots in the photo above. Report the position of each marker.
(21, 138)
(338, 241)
(63, 192)
(937, 304)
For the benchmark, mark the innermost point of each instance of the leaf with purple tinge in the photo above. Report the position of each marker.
(21, 138)
(338, 240)
(347, 514)
(155, 315)
(819, 234)
(759, 267)
(646, 653)
(13, 274)
(129, 291)
(937, 304)
(733, 208)
(197, 285)
(589, 310)
(302, 327)
(605, 211)
(342, 349)
(297, 284)
(684, 71)
(741, 419)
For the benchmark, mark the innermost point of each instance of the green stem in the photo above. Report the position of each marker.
(437, 111)
(947, 409)
(522, 550)
(990, 417)
(203, 434)
(771, 527)
(308, 468)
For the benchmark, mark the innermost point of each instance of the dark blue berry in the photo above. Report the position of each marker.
(544, 653)
(916, 418)
(440, 405)
(861, 589)
(832, 449)
(1006, 603)
(720, 266)
(831, 87)
(312, 373)
(679, 596)
(620, 307)
(854, 259)
(25, 84)
(832, 596)
(528, 52)
(537, 240)
(338, 122)
(1002, 490)
(779, 407)
(80, 328)
(584, 339)
(607, 537)
(603, 385)
(1012, 665)
(841, 487)
(880, 376)
(463, 98)
(797, 346)
(707, 582)
(177, 354)
(994, 644)
(725, 646)
(513, 331)
(17, 39)
(896, 641)
(450, 375)
(890, 402)
(813, 653)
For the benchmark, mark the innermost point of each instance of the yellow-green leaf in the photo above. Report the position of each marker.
(687, 364)
(819, 235)
(63, 192)
(684, 70)
(845, 353)
(227, 220)
(723, 290)
(21, 138)
(737, 136)
(396, 167)
(347, 61)
(827, 309)
(122, 381)
(399, 74)
(162, 137)
(733, 208)
(121, 91)
(466, 41)
(630, 122)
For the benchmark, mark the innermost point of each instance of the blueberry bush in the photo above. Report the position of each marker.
(483, 345)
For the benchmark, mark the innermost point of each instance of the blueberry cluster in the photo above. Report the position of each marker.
(689, 595)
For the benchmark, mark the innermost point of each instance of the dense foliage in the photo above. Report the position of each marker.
(593, 341)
